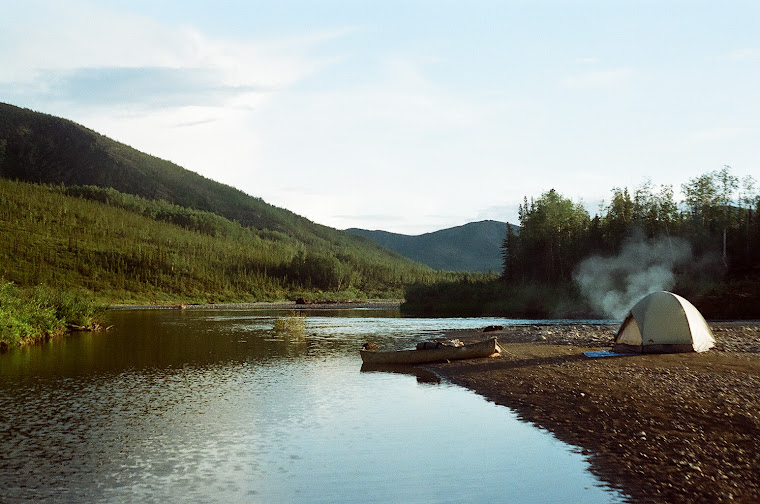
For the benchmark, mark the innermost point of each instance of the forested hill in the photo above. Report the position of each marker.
(41, 148)
(79, 210)
(472, 247)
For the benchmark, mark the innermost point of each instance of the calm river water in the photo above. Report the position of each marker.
(215, 406)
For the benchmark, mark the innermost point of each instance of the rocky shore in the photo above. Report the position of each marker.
(662, 428)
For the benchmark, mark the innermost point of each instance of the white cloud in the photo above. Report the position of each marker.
(73, 35)
(75, 49)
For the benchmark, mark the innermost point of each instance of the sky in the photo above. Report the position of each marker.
(407, 116)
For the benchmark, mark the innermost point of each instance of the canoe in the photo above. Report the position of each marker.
(485, 348)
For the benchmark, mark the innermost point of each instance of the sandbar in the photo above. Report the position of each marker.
(661, 428)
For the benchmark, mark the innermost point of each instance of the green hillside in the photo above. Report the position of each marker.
(127, 247)
(80, 210)
(474, 247)
(40, 148)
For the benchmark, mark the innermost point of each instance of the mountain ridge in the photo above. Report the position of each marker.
(474, 247)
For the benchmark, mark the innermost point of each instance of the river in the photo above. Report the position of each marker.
(216, 406)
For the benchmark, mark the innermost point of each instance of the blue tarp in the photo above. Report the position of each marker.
(606, 353)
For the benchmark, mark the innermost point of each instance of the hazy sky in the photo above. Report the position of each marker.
(408, 116)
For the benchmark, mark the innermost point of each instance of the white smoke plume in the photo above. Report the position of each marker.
(614, 284)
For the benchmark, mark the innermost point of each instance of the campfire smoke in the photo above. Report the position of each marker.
(614, 284)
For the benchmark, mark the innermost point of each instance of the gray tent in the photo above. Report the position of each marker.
(663, 322)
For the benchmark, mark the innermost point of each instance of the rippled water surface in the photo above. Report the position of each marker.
(208, 406)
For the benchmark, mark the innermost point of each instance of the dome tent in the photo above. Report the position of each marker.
(663, 322)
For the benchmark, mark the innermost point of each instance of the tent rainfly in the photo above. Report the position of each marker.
(663, 322)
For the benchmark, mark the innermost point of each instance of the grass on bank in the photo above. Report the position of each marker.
(35, 315)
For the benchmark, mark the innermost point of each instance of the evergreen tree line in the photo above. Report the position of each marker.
(705, 247)
(719, 217)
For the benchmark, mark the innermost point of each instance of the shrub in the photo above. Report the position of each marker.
(37, 315)
(293, 323)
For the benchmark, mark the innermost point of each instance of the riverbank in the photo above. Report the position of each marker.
(32, 316)
(662, 428)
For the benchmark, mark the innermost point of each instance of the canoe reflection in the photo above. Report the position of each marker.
(423, 375)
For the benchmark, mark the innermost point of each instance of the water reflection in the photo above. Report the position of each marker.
(422, 375)
(209, 406)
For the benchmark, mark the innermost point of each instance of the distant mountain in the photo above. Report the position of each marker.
(472, 247)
